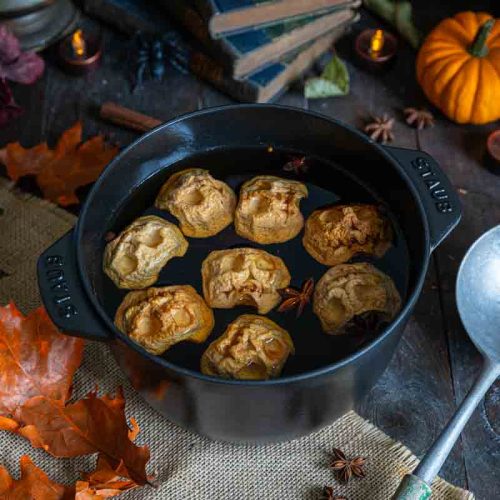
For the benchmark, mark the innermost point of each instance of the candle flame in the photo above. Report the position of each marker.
(78, 43)
(376, 43)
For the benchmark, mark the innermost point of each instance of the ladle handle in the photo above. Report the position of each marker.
(416, 486)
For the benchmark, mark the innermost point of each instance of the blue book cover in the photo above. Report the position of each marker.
(224, 17)
(247, 52)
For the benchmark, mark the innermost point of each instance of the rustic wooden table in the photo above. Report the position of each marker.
(435, 363)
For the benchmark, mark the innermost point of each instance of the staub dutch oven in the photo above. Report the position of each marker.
(328, 374)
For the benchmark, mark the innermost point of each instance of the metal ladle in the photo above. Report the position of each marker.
(478, 301)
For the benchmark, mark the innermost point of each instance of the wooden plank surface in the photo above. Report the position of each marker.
(435, 363)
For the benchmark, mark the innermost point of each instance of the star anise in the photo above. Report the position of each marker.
(328, 494)
(295, 298)
(297, 164)
(380, 129)
(419, 118)
(345, 468)
(368, 322)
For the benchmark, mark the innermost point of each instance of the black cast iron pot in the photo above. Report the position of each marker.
(328, 374)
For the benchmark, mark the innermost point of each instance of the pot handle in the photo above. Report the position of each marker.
(440, 200)
(62, 292)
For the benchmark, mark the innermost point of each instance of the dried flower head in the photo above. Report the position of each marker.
(419, 118)
(380, 129)
(297, 164)
(345, 468)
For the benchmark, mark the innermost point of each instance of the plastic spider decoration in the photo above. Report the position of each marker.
(152, 53)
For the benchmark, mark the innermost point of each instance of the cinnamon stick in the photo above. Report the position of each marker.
(128, 118)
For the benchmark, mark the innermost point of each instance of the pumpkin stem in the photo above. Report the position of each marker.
(478, 47)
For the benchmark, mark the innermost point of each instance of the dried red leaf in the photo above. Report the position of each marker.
(35, 360)
(34, 484)
(9, 109)
(60, 171)
(106, 481)
(15, 65)
(9, 46)
(90, 425)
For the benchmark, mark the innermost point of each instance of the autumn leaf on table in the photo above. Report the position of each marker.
(35, 360)
(105, 481)
(333, 81)
(33, 484)
(37, 364)
(60, 171)
(90, 425)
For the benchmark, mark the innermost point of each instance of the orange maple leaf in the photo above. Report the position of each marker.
(90, 425)
(35, 360)
(106, 481)
(33, 484)
(60, 171)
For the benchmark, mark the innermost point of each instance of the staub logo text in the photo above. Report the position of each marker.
(435, 186)
(54, 272)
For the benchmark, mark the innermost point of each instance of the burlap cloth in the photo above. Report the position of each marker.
(189, 466)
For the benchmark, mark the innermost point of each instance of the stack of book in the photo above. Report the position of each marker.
(250, 49)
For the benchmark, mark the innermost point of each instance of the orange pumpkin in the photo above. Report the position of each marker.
(458, 67)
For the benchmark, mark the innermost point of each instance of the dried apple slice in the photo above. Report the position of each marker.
(252, 348)
(348, 291)
(335, 234)
(203, 205)
(243, 276)
(158, 318)
(136, 256)
(268, 209)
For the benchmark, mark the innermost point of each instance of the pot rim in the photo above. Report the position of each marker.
(326, 370)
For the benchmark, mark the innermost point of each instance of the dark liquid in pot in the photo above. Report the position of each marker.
(327, 183)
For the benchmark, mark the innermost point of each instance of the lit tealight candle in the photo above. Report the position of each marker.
(80, 52)
(376, 47)
(376, 44)
(78, 44)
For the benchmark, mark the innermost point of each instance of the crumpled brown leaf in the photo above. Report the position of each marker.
(33, 484)
(37, 364)
(106, 481)
(35, 360)
(60, 171)
(90, 425)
